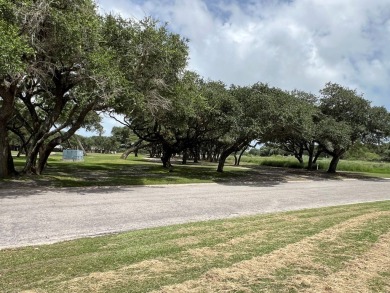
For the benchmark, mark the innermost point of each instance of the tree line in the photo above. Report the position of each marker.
(62, 64)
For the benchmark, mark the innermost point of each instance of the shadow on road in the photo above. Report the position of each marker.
(108, 181)
(12, 191)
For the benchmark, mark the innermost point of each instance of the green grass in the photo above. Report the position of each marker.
(266, 253)
(361, 166)
(273, 161)
(110, 170)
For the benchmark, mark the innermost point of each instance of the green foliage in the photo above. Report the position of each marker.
(361, 152)
(71, 75)
(150, 57)
(347, 118)
(124, 136)
(334, 135)
(12, 49)
(13, 46)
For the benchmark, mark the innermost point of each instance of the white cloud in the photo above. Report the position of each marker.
(290, 44)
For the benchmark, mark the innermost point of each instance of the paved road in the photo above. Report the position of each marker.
(33, 216)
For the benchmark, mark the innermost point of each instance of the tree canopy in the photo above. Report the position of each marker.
(62, 64)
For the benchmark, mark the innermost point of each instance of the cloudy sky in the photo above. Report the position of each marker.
(290, 44)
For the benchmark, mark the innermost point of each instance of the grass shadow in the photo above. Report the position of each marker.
(111, 171)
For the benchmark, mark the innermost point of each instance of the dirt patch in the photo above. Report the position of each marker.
(356, 275)
(254, 236)
(94, 282)
(100, 281)
(153, 266)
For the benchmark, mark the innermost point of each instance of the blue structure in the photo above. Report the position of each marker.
(72, 155)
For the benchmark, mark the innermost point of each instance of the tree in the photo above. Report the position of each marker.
(347, 118)
(253, 115)
(127, 140)
(294, 129)
(195, 116)
(14, 50)
(152, 60)
(71, 74)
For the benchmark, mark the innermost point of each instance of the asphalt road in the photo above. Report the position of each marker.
(39, 216)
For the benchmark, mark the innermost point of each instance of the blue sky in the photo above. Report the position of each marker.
(298, 44)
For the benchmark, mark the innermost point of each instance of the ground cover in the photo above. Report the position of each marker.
(369, 167)
(110, 170)
(337, 249)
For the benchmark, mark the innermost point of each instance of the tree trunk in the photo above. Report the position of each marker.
(226, 153)
(4, 151)
(7, 167)
(11, 166)
(46, 150)
(299, 158)
(7, 94)
(310, 151)
(127, 153)
(240, 156)
(235, 159)
(196, 155)
(299, 155)
(133, 148)
(185, 157)
(166, 157)
(222, 158)
(318, 153)
(32, 156)
(333, 163)
(210, 155)
(80, 145)
(43, 157)
(29, 167)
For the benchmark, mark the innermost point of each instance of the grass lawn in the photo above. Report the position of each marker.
(110, 170)
(337, 249)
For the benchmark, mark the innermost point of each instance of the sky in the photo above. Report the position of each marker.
(290, 44)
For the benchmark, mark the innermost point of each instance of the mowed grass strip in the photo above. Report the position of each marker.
(316, 250)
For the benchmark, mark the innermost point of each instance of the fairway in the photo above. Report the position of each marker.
(336, 249)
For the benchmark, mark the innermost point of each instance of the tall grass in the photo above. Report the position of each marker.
(364, 166)
(273, 161)
(344, 165)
